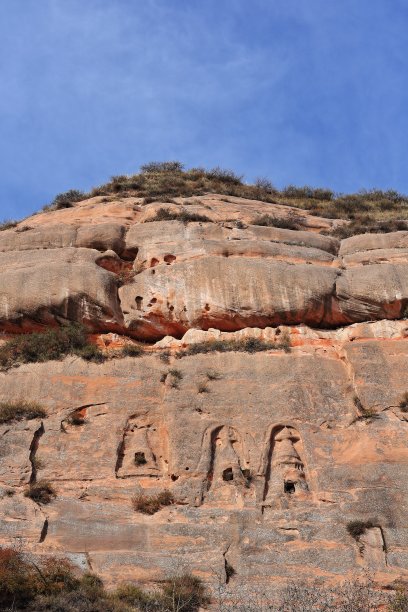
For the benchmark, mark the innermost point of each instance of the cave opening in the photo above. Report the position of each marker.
(140, 458)
(228, 474)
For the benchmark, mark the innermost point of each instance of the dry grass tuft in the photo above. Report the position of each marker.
(19, 410)
(150, 504)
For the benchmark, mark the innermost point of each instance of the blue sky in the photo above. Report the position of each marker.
(300, 91)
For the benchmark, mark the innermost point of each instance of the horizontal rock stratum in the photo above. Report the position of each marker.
(269, 455)
(226, 274)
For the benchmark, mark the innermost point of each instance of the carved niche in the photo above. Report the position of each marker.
(224, 467)
(283, 465)
(141, 451)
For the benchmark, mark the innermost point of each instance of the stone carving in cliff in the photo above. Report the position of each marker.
(224, 468)
(283, 466)
(141, 451)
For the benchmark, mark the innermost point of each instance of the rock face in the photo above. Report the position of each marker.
(269, 456)
(225, 274)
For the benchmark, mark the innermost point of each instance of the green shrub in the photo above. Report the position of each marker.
(48, 345)
(202, 388)
(224, 176)
(41, 492)
(247, 345)
(150, 504)
(163, 181)
(169, 166)
(132, 350)
(369, 225)
(264, 184)
(283, 223)
(185, 592)
(7, 224)
(90, 352)
(66, 200)
(163, 214)
(135, 597)
(55, 585)
(358, 528)
(19, 410)
(307, 193)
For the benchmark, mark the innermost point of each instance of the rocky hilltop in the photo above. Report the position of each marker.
(260, 396)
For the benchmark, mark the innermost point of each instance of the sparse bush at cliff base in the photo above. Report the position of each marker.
(55, 585)
(19, 410)
(150, 504)
(48, 345)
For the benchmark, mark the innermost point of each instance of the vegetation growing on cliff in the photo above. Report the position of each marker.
(66, 199)
(184, 216)
(55, 585)
(372, 210)
(19, 410)
(269, 221)
(48, 345)
(150, 504)
(41, 492)
(247, 345)
(7, 224)
(358, 528)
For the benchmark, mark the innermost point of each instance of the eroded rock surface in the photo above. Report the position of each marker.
(271, 462)
(269, 456)
(170, 276)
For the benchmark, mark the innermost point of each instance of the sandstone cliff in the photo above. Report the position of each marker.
(269, 455)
